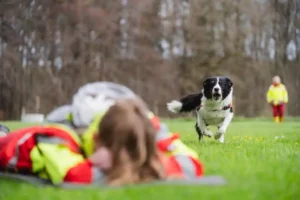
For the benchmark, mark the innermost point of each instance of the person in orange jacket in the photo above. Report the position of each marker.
(90, 103)
(125, 151)
(277, 97)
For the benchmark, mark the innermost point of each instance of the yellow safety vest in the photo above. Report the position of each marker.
(88, 136)
(276, 94)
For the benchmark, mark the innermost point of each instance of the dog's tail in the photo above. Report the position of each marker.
(185, 104)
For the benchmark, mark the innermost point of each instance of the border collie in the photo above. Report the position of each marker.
(213, 106)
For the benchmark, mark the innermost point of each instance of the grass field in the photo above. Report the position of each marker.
(260, 160)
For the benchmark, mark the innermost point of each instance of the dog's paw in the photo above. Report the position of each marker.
(174, 106)
(219, 133)
(200, 137)
(207, 133)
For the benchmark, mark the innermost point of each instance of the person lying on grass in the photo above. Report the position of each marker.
(125, 151)
(92, 101)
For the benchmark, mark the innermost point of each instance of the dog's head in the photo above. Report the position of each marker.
(217, 88)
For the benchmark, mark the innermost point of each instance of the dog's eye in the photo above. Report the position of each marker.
(220, 82)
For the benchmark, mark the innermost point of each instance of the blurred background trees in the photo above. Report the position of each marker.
(162, 49)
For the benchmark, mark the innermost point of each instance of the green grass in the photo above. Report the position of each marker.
(255, 164)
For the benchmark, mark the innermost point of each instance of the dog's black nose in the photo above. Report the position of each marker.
(216, 89)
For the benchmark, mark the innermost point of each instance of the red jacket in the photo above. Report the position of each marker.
(54, 153)
(51, 152)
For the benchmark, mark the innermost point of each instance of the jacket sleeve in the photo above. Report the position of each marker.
(269, 95)
(186, 158)
(54, 160)
(285, 94)
(85, 173)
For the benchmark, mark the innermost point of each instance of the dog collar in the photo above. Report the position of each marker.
(224, 108)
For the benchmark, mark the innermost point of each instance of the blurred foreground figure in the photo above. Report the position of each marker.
(277, 97)
(92, 101)
(125, 150)
(122, 142)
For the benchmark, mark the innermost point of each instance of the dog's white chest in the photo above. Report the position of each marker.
(212, 117)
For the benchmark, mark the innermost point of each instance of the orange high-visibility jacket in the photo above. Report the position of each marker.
(54, 153)
(276, 94)
(50, 152)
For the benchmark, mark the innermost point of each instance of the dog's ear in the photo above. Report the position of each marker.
(205, 82)
(228, 81)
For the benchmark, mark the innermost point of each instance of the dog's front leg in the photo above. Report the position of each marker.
(220, 133)
(202, 125)
(221, 139)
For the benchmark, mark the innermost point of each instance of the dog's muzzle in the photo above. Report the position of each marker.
(216, 93)
(216, 96)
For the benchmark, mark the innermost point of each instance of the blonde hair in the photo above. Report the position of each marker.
(128, 134)
(276, 79)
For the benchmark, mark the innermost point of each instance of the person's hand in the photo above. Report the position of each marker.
(101, 158)
(280, 102)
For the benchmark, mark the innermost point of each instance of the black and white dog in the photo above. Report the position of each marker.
(213, 106)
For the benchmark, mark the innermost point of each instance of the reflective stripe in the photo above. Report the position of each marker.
(171, 147)
(163, 132)
(67, 129)
(187, 166)
(13, 161)
(97, 175)
(50, 140)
